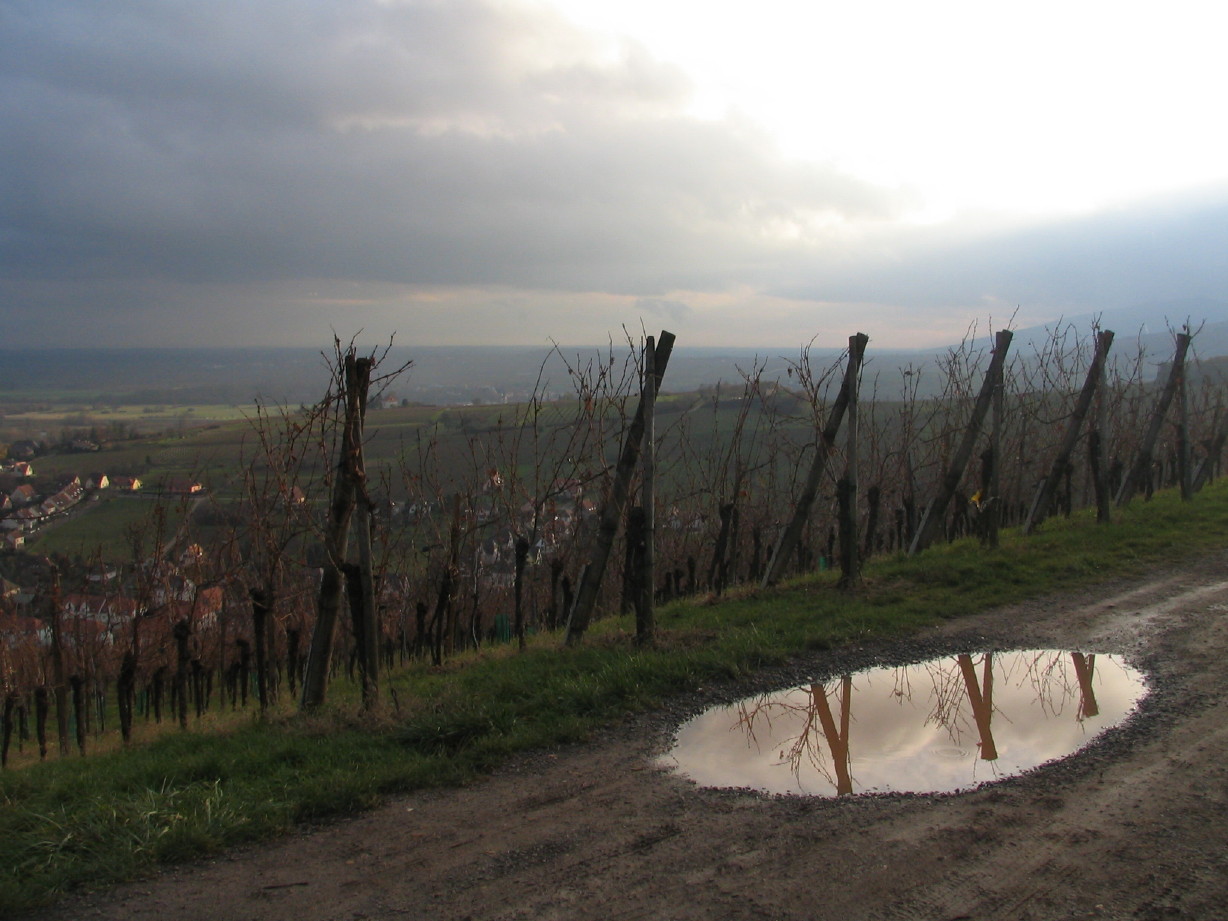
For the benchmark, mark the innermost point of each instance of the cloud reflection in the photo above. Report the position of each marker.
(938, 726)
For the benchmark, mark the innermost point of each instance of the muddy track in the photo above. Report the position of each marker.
(1135, 827)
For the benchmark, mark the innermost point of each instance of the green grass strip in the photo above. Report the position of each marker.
(76, 823)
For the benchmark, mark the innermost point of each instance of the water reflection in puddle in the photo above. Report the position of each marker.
(935, 727)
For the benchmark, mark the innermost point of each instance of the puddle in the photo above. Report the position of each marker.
(936, 727)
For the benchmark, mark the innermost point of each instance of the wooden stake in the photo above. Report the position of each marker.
(1048, 486)
(792, 533)
(611, 514)
(1146, 452)
(937, 508)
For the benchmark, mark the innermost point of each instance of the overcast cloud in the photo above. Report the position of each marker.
(262, 172)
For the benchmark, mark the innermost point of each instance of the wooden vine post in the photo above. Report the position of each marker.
(992, 504)
(1146, 452)
(365, 615)
(792, 533)
(1048, 486)
(360, 585)
(1185, 477)
(1095, 446)
(350, 476)
(937, 508)
(616, 501)
(645, 616)
(850, 564)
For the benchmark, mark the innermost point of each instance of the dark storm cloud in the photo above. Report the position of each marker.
(428, 143)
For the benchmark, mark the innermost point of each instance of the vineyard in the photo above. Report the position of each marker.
(364, 603)
(338, 547)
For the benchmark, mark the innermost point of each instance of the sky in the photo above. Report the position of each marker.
(269, 172)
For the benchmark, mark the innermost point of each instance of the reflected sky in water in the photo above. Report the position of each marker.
(935, 727)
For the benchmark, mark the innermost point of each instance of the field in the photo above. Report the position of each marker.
(23, 418)
(104, 528)
(452, 447)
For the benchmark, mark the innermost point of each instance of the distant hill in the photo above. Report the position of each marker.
(492, 374)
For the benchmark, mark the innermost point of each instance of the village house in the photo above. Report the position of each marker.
(202, 610)
(126, 483)
(69, 496)
(106, 574)
(109, 609)
(385, 401)
(182, 486)
(23, 496)
(102, 618)
(63, 500)
(82, 633)
(15, 630)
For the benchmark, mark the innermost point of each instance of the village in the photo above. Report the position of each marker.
(98, 612)
(29, 504)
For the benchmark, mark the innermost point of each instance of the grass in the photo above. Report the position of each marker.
(76, 823)
(100, 527)
(77, 414)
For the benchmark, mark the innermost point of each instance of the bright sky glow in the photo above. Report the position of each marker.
(988, 107)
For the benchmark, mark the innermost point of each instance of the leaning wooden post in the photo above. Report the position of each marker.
(645, 616)
(1095, 450)
(1146, 450)
(369, 653)
(182, 632)
(850, 564)
(937, 508)
(822, 451)
(451, 580)
(262, 607)
(1048, 486)
(993, 486)
(1183, 440)
(616, 500)
(522, 559)
(355, 381)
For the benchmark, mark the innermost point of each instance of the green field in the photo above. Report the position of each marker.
(54, 413)
(102, 528)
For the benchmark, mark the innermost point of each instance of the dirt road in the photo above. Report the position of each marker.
(1136, 827)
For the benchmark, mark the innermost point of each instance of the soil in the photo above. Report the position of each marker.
(1135, 826)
